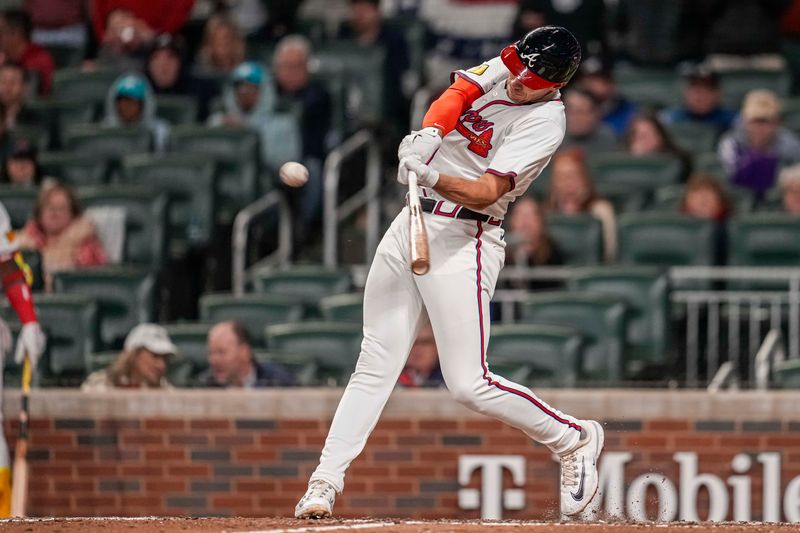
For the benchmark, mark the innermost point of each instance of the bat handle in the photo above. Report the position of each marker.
(420, 254)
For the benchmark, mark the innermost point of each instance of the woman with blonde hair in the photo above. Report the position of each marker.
(572, 192)
(223, 46)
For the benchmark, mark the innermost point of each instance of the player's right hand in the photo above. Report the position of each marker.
(31, 341)
(421, 144)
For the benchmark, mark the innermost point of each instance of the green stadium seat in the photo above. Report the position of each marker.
(669, 199)
(100, 360)
(790, 108)
(145, 220)
(735, 84)
(37, 135)
(303, 367)
(764, 239)
(709, 163)
(192, 341)
(638, 173)
(646, 293)
(649, 87)
(579, 238)
(110, 143)
(176, 109)
(547, 355)
(237, 154)
(56, 114)
(694, 137)
(70, 322)
(362, 71)
(73, 83)
(786, 374)
(77, 170)
(666, 239)
(253, 310)
(599, 318)
(622, 198)
(190, 181)
(334, 346)
(19, 202)
(307, 285)
(66, 56)
(343, 307)
(126, 297)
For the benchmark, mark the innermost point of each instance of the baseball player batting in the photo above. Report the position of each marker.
(482, 144)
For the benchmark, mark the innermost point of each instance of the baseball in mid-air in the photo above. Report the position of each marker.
(293, 174)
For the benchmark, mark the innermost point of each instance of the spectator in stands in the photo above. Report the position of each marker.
(125, 41)
(169, 74)
(148, 18)
(646, 135)
(130, 104)
(702, 102)
(6, 142)
(572, 193)
(529, 242)
(222, 48)
(63, 235)
(15, 29)
(366, 27)
(59, 23)
(585, 127)
(141, 365)
(13, 96)
(21, 167)
(231, 362)
(422, 366)
(616, 110)
(249, 101)
(789, 184)
(705, 198)
(752, 153)
(584, 18)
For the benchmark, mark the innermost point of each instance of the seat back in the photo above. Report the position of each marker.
(764, 239)
(176, 109)
(145, 220)
(343, 307)
(598, 317)
(19, 202)
(579, 238)
(74, 169)
(74, 83)
(639, 173)
(125, 296)
(666, 239)
(694, 137)
(110, 143)
(669, 198)
(646, 293)
(549, 355)
(191, 339)
(253, 310)
(306, 284)
(735, 84)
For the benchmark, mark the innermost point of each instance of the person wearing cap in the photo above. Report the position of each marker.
(249, 101)
(789, 186)
(702, 102)
(753, 152)
(130, 104)
(231, 362)
(617, 111)
(142, 364)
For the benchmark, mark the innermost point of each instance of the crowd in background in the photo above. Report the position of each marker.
(250, 64)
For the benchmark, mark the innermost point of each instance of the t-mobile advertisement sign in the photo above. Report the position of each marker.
(728, 498)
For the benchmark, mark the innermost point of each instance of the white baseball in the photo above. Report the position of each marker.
(293, 174)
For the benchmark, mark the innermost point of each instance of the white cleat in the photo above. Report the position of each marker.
(579, 479)
(317, 502)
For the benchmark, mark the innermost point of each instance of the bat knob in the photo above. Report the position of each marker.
(420, 267)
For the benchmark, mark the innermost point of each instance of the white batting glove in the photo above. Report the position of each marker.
(422, 144)
(31, 340)
(426, 176)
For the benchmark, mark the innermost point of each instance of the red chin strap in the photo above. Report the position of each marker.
(530, 80)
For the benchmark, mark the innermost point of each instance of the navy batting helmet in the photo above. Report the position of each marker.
(545, 57)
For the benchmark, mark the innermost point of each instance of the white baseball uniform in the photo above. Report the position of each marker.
(497, 136)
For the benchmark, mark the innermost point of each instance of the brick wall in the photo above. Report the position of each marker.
(86, 462)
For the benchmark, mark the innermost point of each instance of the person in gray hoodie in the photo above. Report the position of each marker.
(130, 104)
(249, 101)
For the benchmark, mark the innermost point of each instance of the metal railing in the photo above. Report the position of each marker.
(282, 256)
(369, 196)
(770, 353)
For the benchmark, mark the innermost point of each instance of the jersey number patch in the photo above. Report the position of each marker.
(479, 70)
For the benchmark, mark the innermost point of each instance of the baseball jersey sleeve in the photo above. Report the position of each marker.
(7, 245)
(484, 76)
(525, 152)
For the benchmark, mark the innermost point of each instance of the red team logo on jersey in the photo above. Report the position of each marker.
(479, 142)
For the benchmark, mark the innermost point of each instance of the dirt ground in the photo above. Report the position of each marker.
(288, 525)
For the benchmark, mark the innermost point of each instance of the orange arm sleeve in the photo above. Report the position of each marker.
(444, 112)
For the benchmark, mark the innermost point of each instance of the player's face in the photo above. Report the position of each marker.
(791, 199)
(520, 94)
(149, 368)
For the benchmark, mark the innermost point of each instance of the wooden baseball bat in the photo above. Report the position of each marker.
(420, 254)
(19, 481)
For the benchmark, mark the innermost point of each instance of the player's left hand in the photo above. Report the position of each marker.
(31, 341)
(421, 144)
(426, 176)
